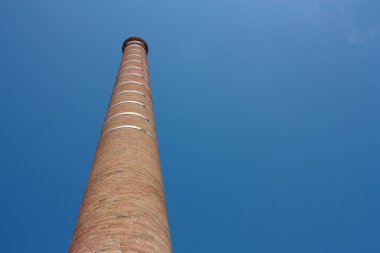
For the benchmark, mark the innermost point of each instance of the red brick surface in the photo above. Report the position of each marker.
(123, 209)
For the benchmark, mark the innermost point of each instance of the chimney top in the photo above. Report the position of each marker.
(135, 39)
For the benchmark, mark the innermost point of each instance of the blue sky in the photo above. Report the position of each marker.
(267, 115)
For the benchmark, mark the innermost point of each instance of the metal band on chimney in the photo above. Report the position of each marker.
(129, 126)
(132, 102)
(126, 114)
(132, 91)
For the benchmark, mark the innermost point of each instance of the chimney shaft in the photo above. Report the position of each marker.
(123, 209)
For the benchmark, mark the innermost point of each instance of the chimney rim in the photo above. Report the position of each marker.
(135, 38)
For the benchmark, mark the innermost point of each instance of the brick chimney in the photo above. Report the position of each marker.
(123, 208)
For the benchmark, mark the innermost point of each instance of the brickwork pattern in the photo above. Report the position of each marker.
(123, 209)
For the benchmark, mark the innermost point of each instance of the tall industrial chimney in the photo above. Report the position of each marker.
(123, 209)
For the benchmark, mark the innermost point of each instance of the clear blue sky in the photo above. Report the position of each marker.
(268, 117)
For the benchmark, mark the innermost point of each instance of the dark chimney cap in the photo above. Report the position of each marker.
(137, 40)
